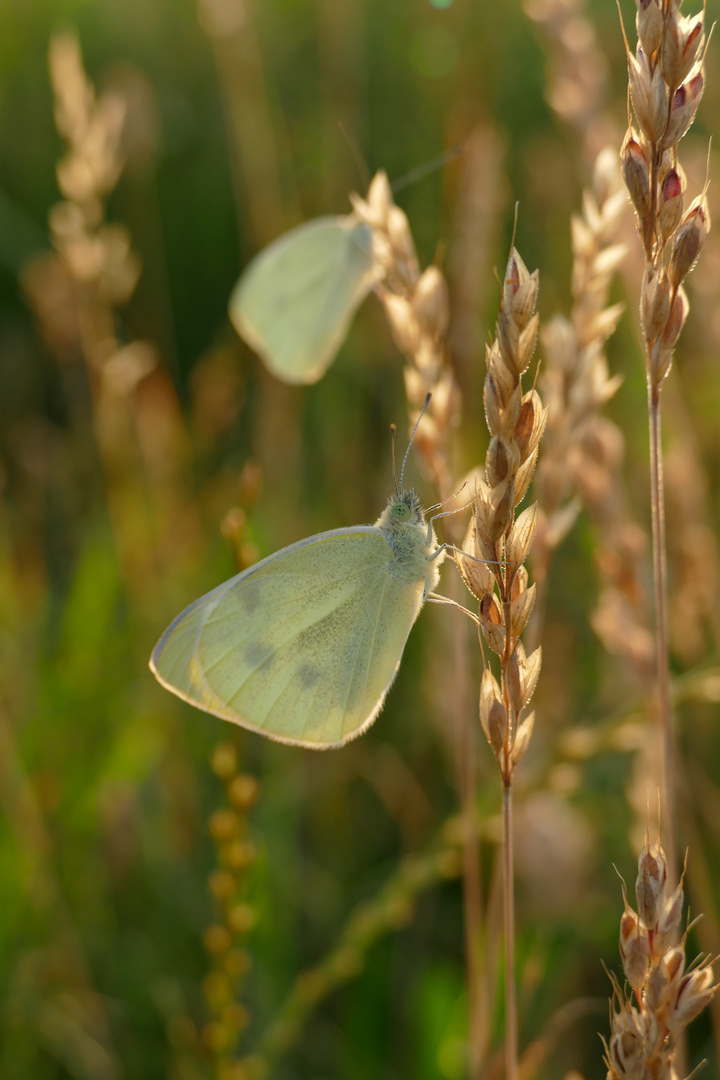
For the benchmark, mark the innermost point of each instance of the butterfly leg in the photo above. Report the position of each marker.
(435, 598)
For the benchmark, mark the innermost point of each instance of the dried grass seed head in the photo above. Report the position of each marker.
(379, 200)
(500, 509)
(631, 1041)
(530, 424)
(663, 979)
(635, 168)
(655, 301)
(430, 302)
(502, 460)
(521, 536)
(502, 395)
(678, 315)
(683, 107)
(493, 715)
(523, 734)
(476, 574)
(672, 198)
(634, 947)
(522, 675)
(668, 925)
(521, 608)
(682, 43)
(524, 477)
(403, 322)
(689, 240)
(650, 882)
(649, 25)
(517, 344)
(694, 993)
(492, 623)
(649, 95)
(520, 289)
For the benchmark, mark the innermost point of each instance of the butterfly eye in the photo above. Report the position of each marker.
(401, 511)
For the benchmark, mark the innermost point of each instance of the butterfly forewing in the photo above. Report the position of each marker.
(294, 302)
(302, 647)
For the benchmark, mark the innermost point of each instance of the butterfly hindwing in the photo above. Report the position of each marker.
(295, 300)
(303, 646)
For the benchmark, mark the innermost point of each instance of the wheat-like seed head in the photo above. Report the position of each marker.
(516, 422)
(575, 381)
(417, 309)
(668, 995)
(666, 79)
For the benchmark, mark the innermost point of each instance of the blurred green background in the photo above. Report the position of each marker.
(243, 119)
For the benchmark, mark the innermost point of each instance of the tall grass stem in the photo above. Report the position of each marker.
(511, 1036)
(665, 715)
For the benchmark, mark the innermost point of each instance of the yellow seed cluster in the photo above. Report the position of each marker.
(227, 825)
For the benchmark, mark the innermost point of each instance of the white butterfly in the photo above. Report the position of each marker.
(304, 646)
(294, 302)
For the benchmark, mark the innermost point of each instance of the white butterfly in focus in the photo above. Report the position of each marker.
(304, 646)
(295, 301)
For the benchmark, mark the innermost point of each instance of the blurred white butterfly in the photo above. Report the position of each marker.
(294, 302)
(303, 646)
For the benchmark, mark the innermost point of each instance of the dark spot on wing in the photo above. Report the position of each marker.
(256, 655)
(249, 596)
(308, 674)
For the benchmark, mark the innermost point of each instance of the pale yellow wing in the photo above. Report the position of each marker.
(301, 647)
(295, 301)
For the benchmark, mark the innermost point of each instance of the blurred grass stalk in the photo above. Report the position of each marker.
(77, 292)
(666, 82)
(574, 469)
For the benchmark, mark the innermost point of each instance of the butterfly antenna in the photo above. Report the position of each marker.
(417, 424)
(430, 166)
(354, 147)
(447, 513)
(393, 436)
(449, 498)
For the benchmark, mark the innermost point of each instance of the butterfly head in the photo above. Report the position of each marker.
(406, 508)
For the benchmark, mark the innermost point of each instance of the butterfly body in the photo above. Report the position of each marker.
(304, 645)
